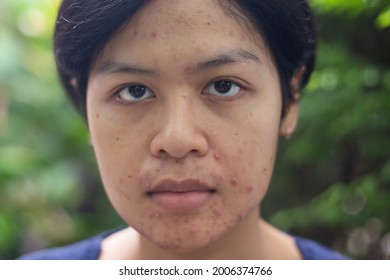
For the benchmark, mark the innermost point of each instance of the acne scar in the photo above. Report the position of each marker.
(249, 189)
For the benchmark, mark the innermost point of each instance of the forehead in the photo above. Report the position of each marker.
(184, 30)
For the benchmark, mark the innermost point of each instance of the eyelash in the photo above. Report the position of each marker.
(229, 81)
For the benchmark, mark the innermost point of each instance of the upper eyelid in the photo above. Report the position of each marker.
(234, 80)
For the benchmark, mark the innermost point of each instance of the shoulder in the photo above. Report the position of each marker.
(312, 250)
(88, 249)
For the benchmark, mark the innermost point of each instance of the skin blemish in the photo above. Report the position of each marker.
(117, 139)
(231, 33)
(154, 35)
(234, 182)
(216, 212)
(236, 134)
(265, 169)
(249, 189)
(217, 157)
(135, 33)
(97, 116)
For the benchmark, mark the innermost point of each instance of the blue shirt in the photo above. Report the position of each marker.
(89, 249)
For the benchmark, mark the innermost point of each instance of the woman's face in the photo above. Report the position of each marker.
(184, 109)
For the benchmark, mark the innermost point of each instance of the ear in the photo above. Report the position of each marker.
(290, 119)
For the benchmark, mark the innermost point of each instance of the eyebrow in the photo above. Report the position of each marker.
(226, 58)
(222, 59)
(111, 67)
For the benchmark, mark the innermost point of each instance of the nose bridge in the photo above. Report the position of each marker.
(179, 132)
(179, 115)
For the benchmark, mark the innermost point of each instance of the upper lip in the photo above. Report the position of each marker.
(187, 185)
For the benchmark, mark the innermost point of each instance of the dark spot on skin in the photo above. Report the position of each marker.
(117, 139)
(216, 212)
(177, 161)
(97, 116)
(208, 23)
(234, 181)
(135, 33)
(265, 169)
(249, 189)
(236, 134)
(153, 35)
(129, 176)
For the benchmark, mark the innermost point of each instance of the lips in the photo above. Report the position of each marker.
(183, 195)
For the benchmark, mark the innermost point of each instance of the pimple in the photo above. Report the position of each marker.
(187, 67)
(249, 189)
(154, 35)
(234, 181)
(217, 157)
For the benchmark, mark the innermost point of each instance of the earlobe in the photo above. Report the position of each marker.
(290, 119)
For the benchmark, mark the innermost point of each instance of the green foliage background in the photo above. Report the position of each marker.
(332, 178)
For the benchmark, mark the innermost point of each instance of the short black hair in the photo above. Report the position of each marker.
(84, 27)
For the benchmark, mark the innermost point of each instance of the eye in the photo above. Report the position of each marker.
(134, 93)
(222, 88)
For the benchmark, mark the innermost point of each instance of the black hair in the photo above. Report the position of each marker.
(84, 27)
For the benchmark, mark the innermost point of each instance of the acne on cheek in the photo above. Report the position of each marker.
(217, 157)
(233, 181)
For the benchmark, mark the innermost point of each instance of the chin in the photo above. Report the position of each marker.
(189, 241)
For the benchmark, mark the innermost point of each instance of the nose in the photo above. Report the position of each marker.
(180, 132)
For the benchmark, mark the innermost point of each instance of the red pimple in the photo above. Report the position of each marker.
(154, 34)
(217, 157)
(234, 181)
(249, 189)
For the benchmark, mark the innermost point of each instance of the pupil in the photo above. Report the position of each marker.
(137, 91)
(223, 86)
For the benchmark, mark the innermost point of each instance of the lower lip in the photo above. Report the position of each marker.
(183, 201)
